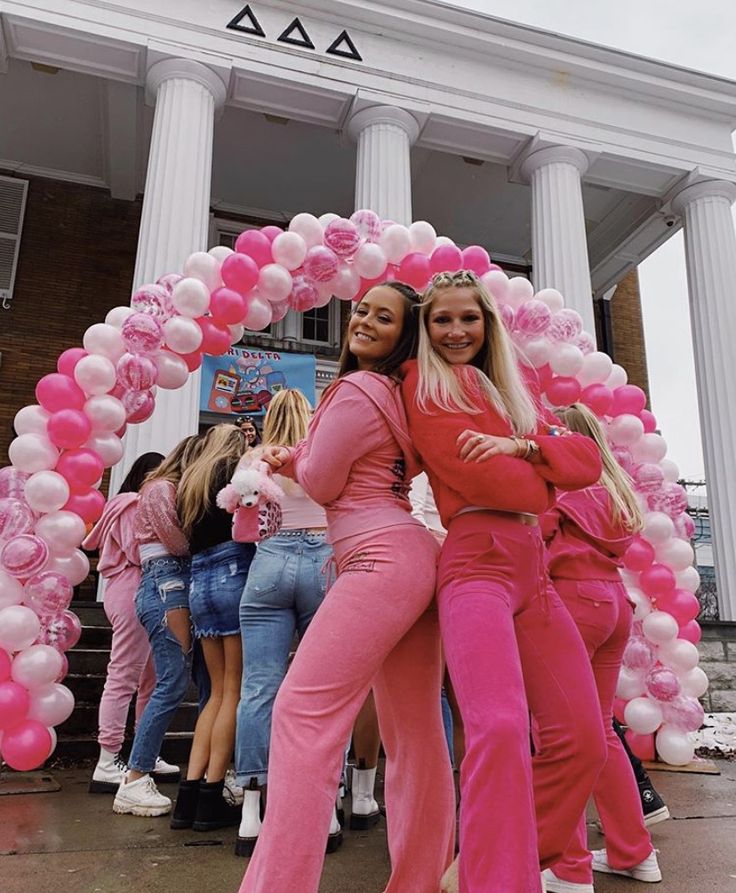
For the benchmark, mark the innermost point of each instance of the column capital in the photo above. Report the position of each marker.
(705, 189)
(383, 114)
(187, 69)
(554, 155)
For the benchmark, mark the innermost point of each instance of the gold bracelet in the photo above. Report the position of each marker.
(520, 445)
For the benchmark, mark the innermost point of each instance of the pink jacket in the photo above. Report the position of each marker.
(583, 543)
(114, 536)
(157, 520)
(358, 460)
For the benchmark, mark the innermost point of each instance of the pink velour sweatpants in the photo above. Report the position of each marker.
(130, 670)
(603, 615)
(376, 627)
(511, 648)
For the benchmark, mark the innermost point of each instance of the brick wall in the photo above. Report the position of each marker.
(76, 262)
(629, 349)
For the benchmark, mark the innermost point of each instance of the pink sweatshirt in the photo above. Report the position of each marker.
(357, 460)
(114, 536)
(157, 520)
(583, 543)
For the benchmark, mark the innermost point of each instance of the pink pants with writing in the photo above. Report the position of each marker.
(603, 615)
(376, 627)
(130, 670)
(512, 648)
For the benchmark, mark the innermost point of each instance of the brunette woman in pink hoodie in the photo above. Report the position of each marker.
(587, 533)
(130, 670)
(376, 627)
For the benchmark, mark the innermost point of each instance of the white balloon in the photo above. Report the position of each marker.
(643, 715)
(117, 316)
(688, 579)
(552, 298)
(537, 351)
(236, 333)
(395, 241)
(37, 666)
(275, 282)
(95, 375)
(31, 420)
(617, 377)
(444, 240)
(105, 412)
(289, 250)
(566, 359)
(108, 445)
(675, 553)
(327, 218)
(19, 628)
(220, 252)
(658, 528)
(105, 340)
(679, 655)
(649, 448)
(309, 228)
(642, 604)
(346, 284)
(46, 491)
(422, 236)
(190, 297)
(33, 452)
(595, 369)
(520, 290)
(11, 591)
(203, 266)
(625, 430)
(671, 471)
(631, 684)
(182, 334)
(172, 370)
(51, 704)
(61, 530)
(74, 567)
(370, 260)
(660, 627)
(675, 747)
(497, 283)
(694, 683)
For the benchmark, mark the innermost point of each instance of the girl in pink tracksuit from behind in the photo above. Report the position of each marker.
(375, 628)
(587, 533)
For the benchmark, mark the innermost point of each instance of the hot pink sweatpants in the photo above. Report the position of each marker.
(376, 627)
(130, 670)
(603, 615)
(511, 648)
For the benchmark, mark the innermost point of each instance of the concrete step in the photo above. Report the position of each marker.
(84, 748)
(90, 613)
(83, 720)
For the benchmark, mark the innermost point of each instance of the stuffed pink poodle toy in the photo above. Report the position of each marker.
(255, 499)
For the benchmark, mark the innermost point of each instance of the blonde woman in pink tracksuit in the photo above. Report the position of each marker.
(376, 627)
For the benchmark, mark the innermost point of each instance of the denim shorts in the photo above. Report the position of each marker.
(218, 579)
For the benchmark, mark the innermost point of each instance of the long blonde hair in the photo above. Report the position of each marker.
(222, 447)
(176, 462)
(287, 418)
(626, 511)
(497, 370)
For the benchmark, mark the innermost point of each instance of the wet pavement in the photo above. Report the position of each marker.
(69, 841)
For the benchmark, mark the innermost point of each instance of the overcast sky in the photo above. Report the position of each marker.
(694, 35)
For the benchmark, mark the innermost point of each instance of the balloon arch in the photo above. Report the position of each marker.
(49, 495)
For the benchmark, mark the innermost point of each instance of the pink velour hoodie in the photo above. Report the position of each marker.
(357, 460)
(114, 536)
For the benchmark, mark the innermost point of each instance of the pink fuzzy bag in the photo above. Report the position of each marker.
(255, 500)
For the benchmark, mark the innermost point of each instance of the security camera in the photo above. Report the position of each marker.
(670, 220)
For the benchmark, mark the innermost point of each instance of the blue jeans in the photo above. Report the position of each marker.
(164, 587)
(218, 578)
(286, 585)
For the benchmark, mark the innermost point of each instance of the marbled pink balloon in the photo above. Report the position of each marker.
(24, 555)
(638, 654)
(142, 333)
(136, 372)
(16, 517)
(168, 281)
(670, 499)
(684, 713)
(12, 482)
(154, 300)
(663, 684)
(62, 631)
(566, 325)
(48, 593)
(532, 318)
(342, 237)
(648, 477)
(368, 224)
(684, 526)
(321, 264)
(303, 295)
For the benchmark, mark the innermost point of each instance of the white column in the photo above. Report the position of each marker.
(385, 135)
(710, 254)
(559, 244)
(174, 222)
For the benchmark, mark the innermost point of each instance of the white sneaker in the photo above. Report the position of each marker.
(646, 871)
(554, 884)
(365, 812)
(140, 797)
(164, 772)
(109, 772)
(232, 791)
(450, 882)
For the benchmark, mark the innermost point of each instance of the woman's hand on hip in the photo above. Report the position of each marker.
(476, 447)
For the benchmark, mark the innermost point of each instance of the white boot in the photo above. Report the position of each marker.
(450, 882)
(250, 823)
(365, 812)
(335, 837)
(140, 797)
(109, 772)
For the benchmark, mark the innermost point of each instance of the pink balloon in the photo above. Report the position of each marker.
(142, 333)
(691, 632)
(11, 591)
(48, 593)
(12, 482)
(271, 231)
(172, 370)
(368, 224)
(476, 258)
(155, 300)
(656, 580)
(259, 314)
(663, 684)
(88, 504)
(61, 631)
(5, 664)
(598, 398)
(320, 264)
(36, 666)
(414, 270)
(253, 243)
(68, 428)
(303, 295)
(26, 746)
(532, 318)
(639, 556)
(684, 713)
(683, 605)
(215, 339)
(648, 477)
(56, 391)
(628, 398)
(81, 468)
(193, 360)
(649, 421)
(566, 325)
(51, 705)
(240, 272)
(638, 654)
(69, 359)
(139, 406)
(136, 372)
(24, 555)
(342, 237)
(227, 306)
(14, 704)
(562, 390)
(670, 499)
(446, 259)
(15, 518)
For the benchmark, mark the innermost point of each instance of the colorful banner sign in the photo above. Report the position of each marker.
(244, 380)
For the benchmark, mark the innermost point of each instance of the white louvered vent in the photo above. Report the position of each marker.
(13, 194)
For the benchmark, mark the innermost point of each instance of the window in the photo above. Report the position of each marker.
(316, 324)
